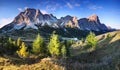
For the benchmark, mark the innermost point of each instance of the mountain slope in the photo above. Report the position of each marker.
(92, 23)
(105, 57)
(32, 18)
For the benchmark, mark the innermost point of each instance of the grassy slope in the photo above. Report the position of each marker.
(106, 57)
(44, 64)
(107, 54)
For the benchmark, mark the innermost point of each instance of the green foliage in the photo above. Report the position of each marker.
(63, 51)
(38, 45)
(54, 45)
(108, 36)
(19, 41)
(23, 51)
(68, 45)
(91, 41)
(10, 46)
(9, 43)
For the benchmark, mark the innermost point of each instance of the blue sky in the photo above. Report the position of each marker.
(107, 10)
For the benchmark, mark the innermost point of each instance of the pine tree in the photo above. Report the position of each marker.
(91, 40)
(63, 51)
(38, 45)
(23, 51)
(9, 44)
(19, 41)
(54, 45)
(68, 45)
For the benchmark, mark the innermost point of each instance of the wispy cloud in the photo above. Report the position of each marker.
(52, 7)
(94, 7)
(77, 5)
(69, 5)
(25, 7)
(5, 21)
(72, 5)
(44, 12)
(20, 9)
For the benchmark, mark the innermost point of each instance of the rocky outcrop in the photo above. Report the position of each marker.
(69, 21)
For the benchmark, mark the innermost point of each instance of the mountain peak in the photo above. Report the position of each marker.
(93, 17)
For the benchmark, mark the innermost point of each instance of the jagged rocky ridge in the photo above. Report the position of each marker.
(32, 18)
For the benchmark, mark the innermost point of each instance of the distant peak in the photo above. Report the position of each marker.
(68, 16)
(28, 9)
(32, 10)
(93, 17)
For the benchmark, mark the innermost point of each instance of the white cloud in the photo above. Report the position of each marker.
(94, 7)
(44, 12)
(52, 7)
(25, 7)
(20, 9)
(77, 5)
(5, 21)
(69, 5)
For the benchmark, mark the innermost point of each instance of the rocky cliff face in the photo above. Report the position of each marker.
(32, 18)
(92, 23)
(69, 21)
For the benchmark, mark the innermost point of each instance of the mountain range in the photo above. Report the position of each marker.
(33, 18)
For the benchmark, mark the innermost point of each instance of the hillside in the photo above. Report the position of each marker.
(105, 57)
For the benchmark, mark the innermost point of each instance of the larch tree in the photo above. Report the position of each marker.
(54, 45)
(22, 52)
(38, 45)
(91, 40)
(19, 41)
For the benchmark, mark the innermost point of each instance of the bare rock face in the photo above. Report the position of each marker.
(30, 18)
(75, 20)
(93, 17)
(92, 23)
(69, 21)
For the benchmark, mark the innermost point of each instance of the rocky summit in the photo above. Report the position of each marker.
(33, 18)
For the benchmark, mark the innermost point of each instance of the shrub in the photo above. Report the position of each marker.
(108, 36)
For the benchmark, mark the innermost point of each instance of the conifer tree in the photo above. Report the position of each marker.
(38, 45)
(54, 45)
(63, 51)
(19, 41)
(91, 40)
(9, 44)
(68, 45)
(23, 51)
